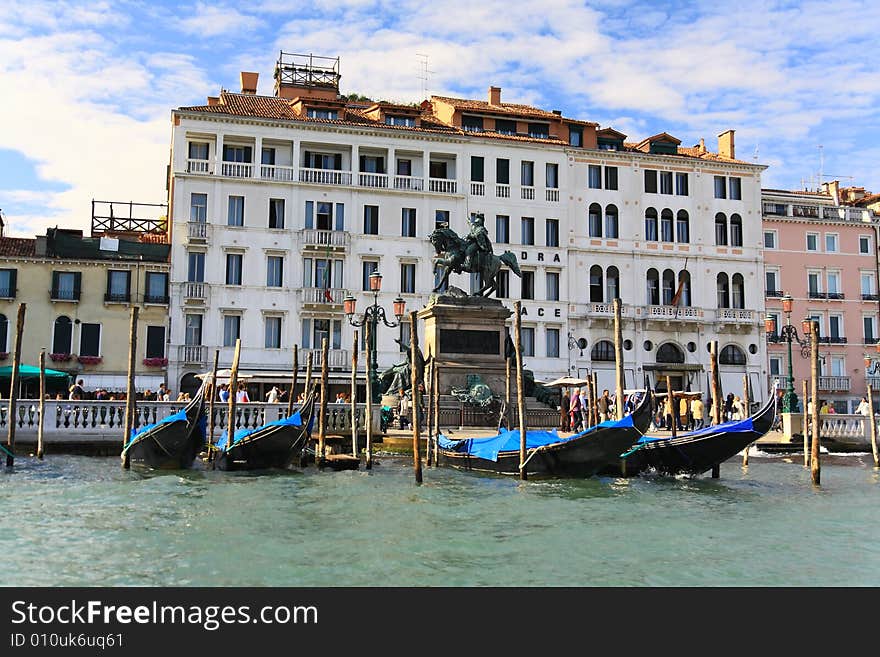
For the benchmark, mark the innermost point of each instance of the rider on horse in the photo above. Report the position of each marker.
(477, 241)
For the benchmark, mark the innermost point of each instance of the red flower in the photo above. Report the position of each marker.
(155, 362)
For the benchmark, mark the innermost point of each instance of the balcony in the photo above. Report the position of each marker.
(56, 294)
(323, 296)
(836, 340)
(325, 176)
(237, 169)
(442, 185)
(336, 358)
(874, 382)
(157, 299)
(870, 297)
(502, 191)
(7, 292)
(809, 211)
(834, 295)
(200, 167)
(197, 231)
(277, 172)
(193, 354)
(195, 291)
(113, 297)
(552, 195)
(735, 315)
(527, 193)
(325, 239)
(678, 313)
(868, 340)
(478, 189)
(834, 383)
(774, 294)
(410, 183)
(377, 180)
(814, 294)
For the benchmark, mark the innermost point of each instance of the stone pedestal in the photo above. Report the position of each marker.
(466, 335)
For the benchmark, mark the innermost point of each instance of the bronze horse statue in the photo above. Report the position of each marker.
(451, 256)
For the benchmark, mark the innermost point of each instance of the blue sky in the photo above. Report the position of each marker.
(88, 87)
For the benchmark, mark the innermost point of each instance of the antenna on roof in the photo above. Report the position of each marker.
(755, 157)
(424, 75)
(821, 167)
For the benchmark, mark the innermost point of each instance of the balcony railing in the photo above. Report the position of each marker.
(837, 339)
(325, 176)
(502, 191)
(373, 180)
(868, 340)
(63, 295)
(197, 230)
(774, 294)
(114, 297)
(672, 312)
(323, 295)
(161, 299)
(204, 167)
(874, 382)
(834, 383)
(336, 358)
(313, 237)
(527, 193)
(811, 211)
(193, 353)
(195, 290)
(777, 209)
(7, 293)
(442, 185)
(237, 169)
(870, 297)
(552, 195)
(736, 315)
(277, 172)
(813, 294)
(478, 189)
(834, 295)
(409, 182)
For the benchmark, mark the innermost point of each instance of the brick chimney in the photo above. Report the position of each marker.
(725, 145)
(702, 146)
(249, 82)
(495, 96)
(213, 100)
(833, 190)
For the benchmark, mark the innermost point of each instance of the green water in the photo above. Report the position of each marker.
(82, 521)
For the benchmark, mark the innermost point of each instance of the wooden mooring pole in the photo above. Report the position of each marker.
(435, 373)
(748, 413)
(322, 427)
(871, 419)
(368, 385)
(354, 406)
(212, 395)
(716, 394)
(618, 360)
(507, 410)
(42, 406)
(416, 396)
(13, 388)
(233, 392)
(806, 427)
(430, 416)
(814, 391)
(670, 398)
(594, 386)
(291, 397)
(308, 385)
(131, 392)
(520, 392)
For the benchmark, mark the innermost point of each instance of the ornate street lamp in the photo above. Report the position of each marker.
(373, 314)
(789, 333)
(580, 343)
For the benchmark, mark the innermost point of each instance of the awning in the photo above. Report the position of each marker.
(29, 372)
(674, 367)
(119, 382)
(566, 381)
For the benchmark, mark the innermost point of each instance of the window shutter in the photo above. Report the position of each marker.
(248, 154)
(340, 216)
(54, 291)
(308, 156)
(380, 165)
(310, 214)
(337, 162)
(363, 163)
(77, 284)
(13, 279)
(306, 330)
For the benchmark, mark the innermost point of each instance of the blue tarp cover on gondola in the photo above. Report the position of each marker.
(508, 440)
(725, 427)
(180, 416)
(293, 420)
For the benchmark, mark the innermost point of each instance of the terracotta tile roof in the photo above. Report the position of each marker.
(511, 109)
(24, 247)
(684, 151)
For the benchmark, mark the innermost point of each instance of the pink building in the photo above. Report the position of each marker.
(824, 256)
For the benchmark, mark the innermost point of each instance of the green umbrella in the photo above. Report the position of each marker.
(26, 372)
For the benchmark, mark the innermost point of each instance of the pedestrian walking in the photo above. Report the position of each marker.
(574, 410)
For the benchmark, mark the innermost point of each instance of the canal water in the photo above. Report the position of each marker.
(83, 521)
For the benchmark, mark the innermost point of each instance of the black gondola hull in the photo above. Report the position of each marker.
(269, 448)
(170, 445)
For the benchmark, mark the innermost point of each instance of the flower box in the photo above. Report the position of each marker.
(61, 358)
(155, 362)
(89, 360)
(4, 355)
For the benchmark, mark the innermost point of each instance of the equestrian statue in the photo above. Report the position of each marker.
(472, 254)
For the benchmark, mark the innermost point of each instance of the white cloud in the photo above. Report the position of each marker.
(209, 21)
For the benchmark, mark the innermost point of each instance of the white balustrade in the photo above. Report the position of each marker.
(325, 176)
(325, 238)
(552, 195)
(502, 191)
(409, 182)
(197, 230)
(527, 193)
(323, 295)
(237, 169)
(478, 189)
(203, 167)
(195, 290)
(277, 172)
(442, 185)
(373, 180)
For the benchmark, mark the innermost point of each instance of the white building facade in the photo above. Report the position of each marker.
(281, 205)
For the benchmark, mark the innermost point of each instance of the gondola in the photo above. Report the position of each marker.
(274, 445)
(699, 451)
(548, 454)
(173, 442)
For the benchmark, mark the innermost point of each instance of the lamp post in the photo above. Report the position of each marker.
(579, 343)
(790, 334)
(373, 314)
(871, 367)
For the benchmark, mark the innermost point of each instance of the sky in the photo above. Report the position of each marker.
(87, 88)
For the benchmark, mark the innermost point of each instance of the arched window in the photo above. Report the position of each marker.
(732, 355)
(737, 292)
(682, 227)
(603, 350)
(670, 353)
(612, 284)
(736, 230)
(720, 229)
(653, 279)
(668, 286)
(684, 284)
(722, 285)
(4, 333)
(651, 225)
(596, 284)
(595, 220)
(666, 229)
(611, 222)
(63, 336)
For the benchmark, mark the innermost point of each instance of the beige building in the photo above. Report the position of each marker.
(78, 292)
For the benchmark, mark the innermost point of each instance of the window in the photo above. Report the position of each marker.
(367, 268)
(66, 285)
(575, 135)
(502, 229)
(407, 121)
(321, 113)
(198, 208)
(866, 282)
(267, 157)
(528, 340)
(596, 284)
(196, 267)
(812, 241)
(476, 281)
(666, 226)
(668, 283)
(408, 277)
(371, 220)
(835, 327)
(62, 337)
(505, 127)
(732, 355)
(157, 287)
(869, 324)
(503, 289)
(314, 332)
(603, 351)
(236, 153)
(738, 291)
(775, 366)
(235, 215)
(612, 284)
(610, 177)
(441, 219)
(652, 278)
(528, 230)
(198, 150)
(833, 288)
(331, 161)
(552, 175)
(273, 333)
(682, 227)
(864, 244)
(155, 342)
(776, 324)
(611, 222)
(684, 289)
(231, 329)
(325, 273)
(502, 171)
(408, 222)
(720, 187)
(771, 283)
(320, 215)
(472, 123)
(552, 279)
(404, 168)
(735, 189)
(670, 353)
(551, 232)
(736, 230)
(118, 286)
(594, 177)
(539, 130)
(274, 271)
(438, 169)
(814, 287)
(720, 229)
(405, 335)
(276, 213)
(89, 339)
(527, 174)
(681, 184)
(666, 182)
(8, 279)
(651, 225)
(595, 220)
(477, 169)
(193, 330)
(722, 286)
(233, 268)
(830, 242)
(838, 366)
(372, 164)
(650, 181)
(528, 285)
(552, 343)
(769, 239)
